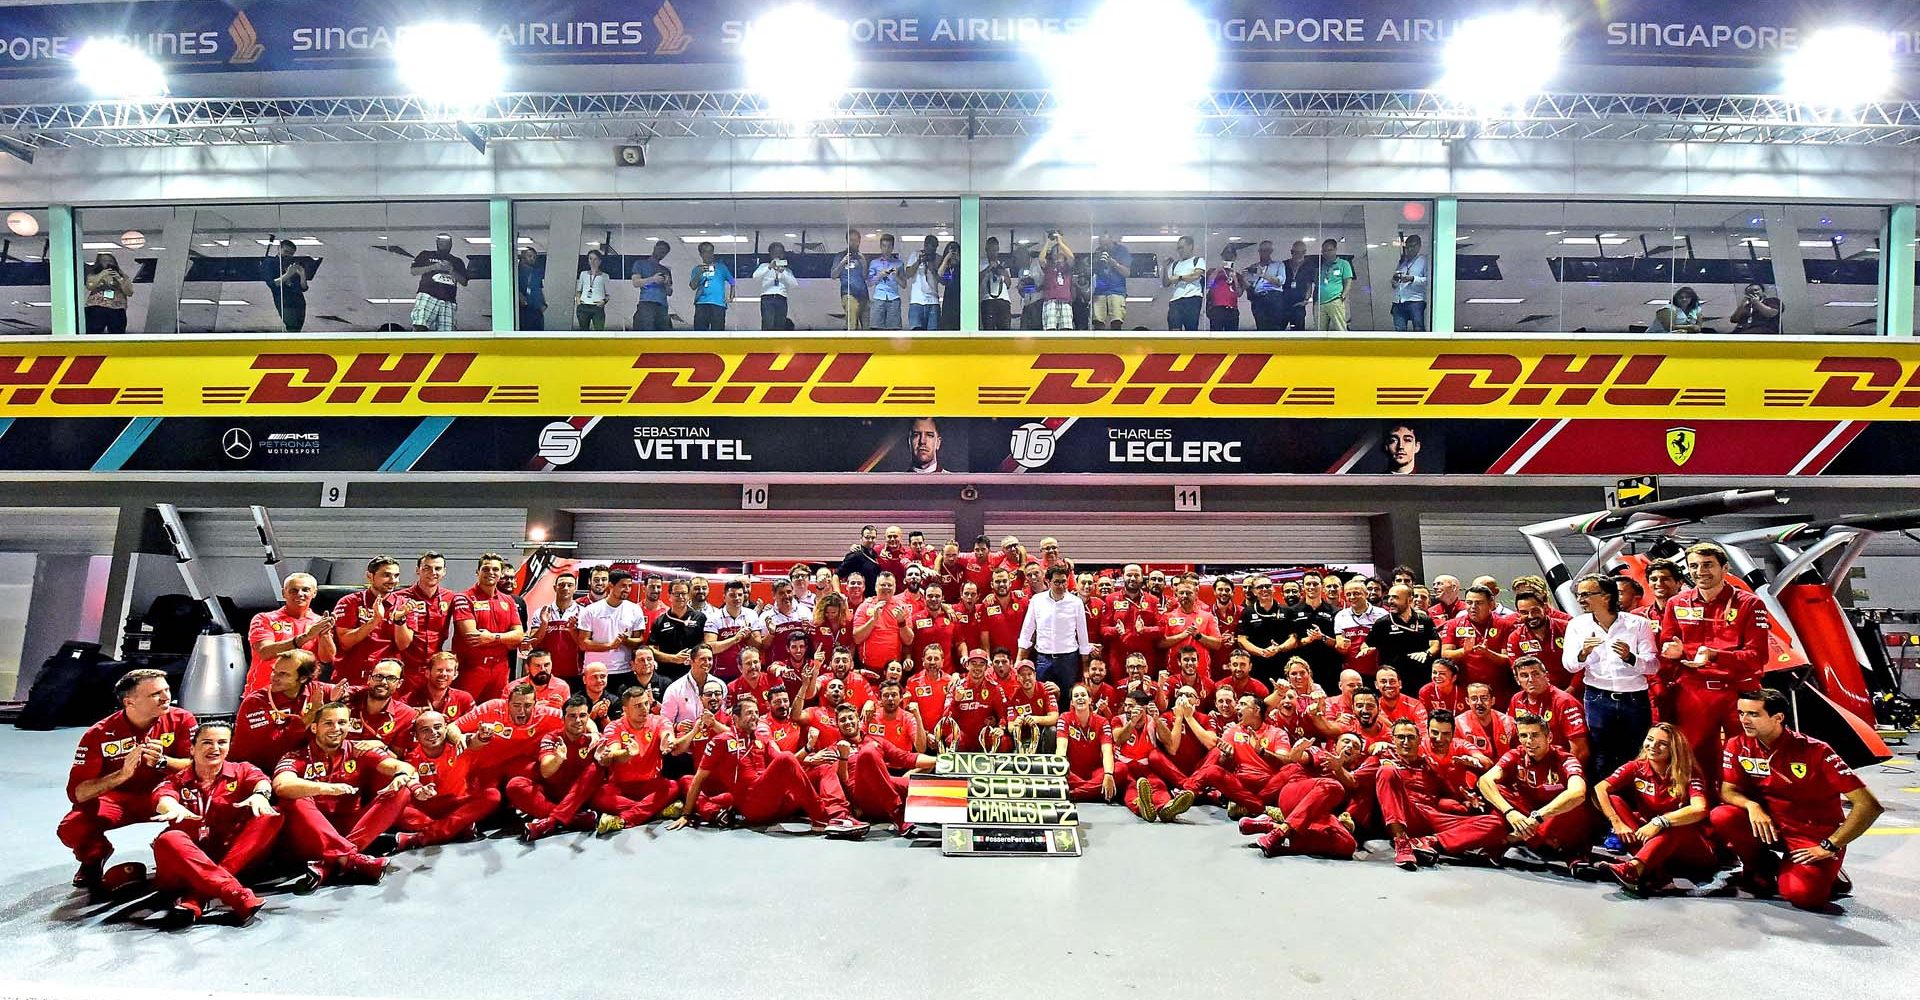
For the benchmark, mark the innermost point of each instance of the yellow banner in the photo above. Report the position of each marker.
(963, 376)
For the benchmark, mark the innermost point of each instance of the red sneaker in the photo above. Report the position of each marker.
(1272, 845)
(1403, 854)
(1256, 825)
(362, 866)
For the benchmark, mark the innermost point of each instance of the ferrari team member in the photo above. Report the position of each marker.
(487, 628)
(1713, 646)
(1032, 710)
(215, 808)
(732, 629)
(444, 806)
(439, 694)
(429, 621)
(1615, 655)
(935, 627)
(1780, 813)
(1540, 790)
(1320, 793)
(504, 736)
(119, 762)
(1186, 736)
(1538, 634)
(1085, 739)
(890, 721)
(554, 629)
(1002, 614)
(1353, 626)
(377, 712)
(874, 774)
(1395, 704)
(1444, 689)
(787, 619)
(274, 719)
(1239, 677)
(292, 625)
(1131, 622)
(1106, 700)
(1150, 785)
(1490, 731)
(630, 788)
(1477, 640)
(553, 794)
(1405, 637)
(1243, 762)
(548, 689)
(1427, 798)
(741, 776)
(976, 707)
(926, 691)
(781, 725)
(1657, 806)
(331, 785)
(1375, 732)
(882, 625)
(1448, 601)
(1565, 717)
(1187, 625)
(367, 623)
(1313, 633)
(825, 761)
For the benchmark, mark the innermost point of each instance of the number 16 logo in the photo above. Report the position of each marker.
(1032, 445)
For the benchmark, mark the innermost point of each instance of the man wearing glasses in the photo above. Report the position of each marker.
(1615, 653)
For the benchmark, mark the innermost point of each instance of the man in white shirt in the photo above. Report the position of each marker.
(611, 628)
(682, 701)
(1410, 280)
(1617, 654)
(923, 306)
(776, 284)
(1054, 634)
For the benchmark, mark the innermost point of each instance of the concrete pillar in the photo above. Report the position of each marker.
(1896, 273)
(137, 530)
(170, 273)
(1395, 537)
(564, 224)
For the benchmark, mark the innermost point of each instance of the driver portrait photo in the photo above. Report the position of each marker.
(923, 445)
(1403, 450)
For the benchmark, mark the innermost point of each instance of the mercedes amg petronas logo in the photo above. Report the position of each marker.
(236, 443)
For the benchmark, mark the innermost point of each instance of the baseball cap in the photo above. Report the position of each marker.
(976, 654)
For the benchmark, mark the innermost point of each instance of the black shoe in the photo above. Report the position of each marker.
(1720, 885)
(1521, 856)
(180, 915)
(1842, 885)
(1586, 871)
(312, 876)
(88, 877)
(385, 845)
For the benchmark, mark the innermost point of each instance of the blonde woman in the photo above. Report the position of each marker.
(1656, 806)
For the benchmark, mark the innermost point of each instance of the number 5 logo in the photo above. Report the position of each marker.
(1032, 445)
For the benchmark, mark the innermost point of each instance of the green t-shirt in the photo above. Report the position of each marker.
(1334, 278)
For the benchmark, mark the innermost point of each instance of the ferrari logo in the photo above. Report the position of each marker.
(1799, 770)
(1680, 442)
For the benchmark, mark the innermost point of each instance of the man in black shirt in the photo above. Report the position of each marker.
(1406, 639)
(1264, 627)
(1312, 634)
(441, 274)
(674, 634)
(863, 560)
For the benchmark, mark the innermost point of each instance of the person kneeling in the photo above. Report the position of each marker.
(1541, 791)
(329, 785)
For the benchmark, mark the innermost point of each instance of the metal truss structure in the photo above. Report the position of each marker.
(937, 113)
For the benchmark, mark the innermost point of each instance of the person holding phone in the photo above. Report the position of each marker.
(441, 274)
(776, 283)
(287, 281)
(1112, 265)
(1410, 281)
(712, 285)
(590, 296)
(1056, 283)
(923, 305)
(655, 280)
(1756, 312)
(108, 292)
(850, 269)
(883, 286)
(1224, 288)
(996, 289)
(1183, 273)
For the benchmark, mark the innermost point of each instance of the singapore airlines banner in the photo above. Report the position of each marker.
(972, 405)
(212, 36)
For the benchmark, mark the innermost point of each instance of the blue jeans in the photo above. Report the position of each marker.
(923, 316)
(1061, 668)
(1617, 723)
(1409, 317)
(1184, 314)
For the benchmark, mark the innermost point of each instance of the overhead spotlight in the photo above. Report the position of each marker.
(797, 92)
(115, 70)
(1840, 68)
(1496, 63)
(452, 66)
(1168, 35)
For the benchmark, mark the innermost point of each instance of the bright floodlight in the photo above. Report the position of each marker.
(1496, 63)
(1840, 68)
(116, 70)
(450, 65)
(1167, 43)
(799, 60)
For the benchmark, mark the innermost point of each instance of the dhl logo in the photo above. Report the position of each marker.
(291, 379)
(27, 379)
(1084, 379)
(1563, 379)
(1853, 383)
(681, 377)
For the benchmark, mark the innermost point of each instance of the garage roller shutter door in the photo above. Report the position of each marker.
(738, 536)
(1194, 538)
(85, 531)
(354, 535)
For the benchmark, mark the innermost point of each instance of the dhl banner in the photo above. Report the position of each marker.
(1008, 378)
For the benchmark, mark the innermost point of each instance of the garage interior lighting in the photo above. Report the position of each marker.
(299, 241)
(769, 49)
(715, 240)
(1496, 63)
(1839, 68)
(1494, 302)
(453, 66)
(114, 70)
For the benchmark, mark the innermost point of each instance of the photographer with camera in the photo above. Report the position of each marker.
(776, 283)
(712, 285)
(883, 284)
(1757, 312)
(996, 289)
(1112, 265)
(108, 292)
(1056, 283)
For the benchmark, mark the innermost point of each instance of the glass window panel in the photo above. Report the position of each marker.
(26, 300)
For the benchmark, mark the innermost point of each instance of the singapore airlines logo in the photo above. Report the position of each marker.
(246, 41)
(673, 32)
